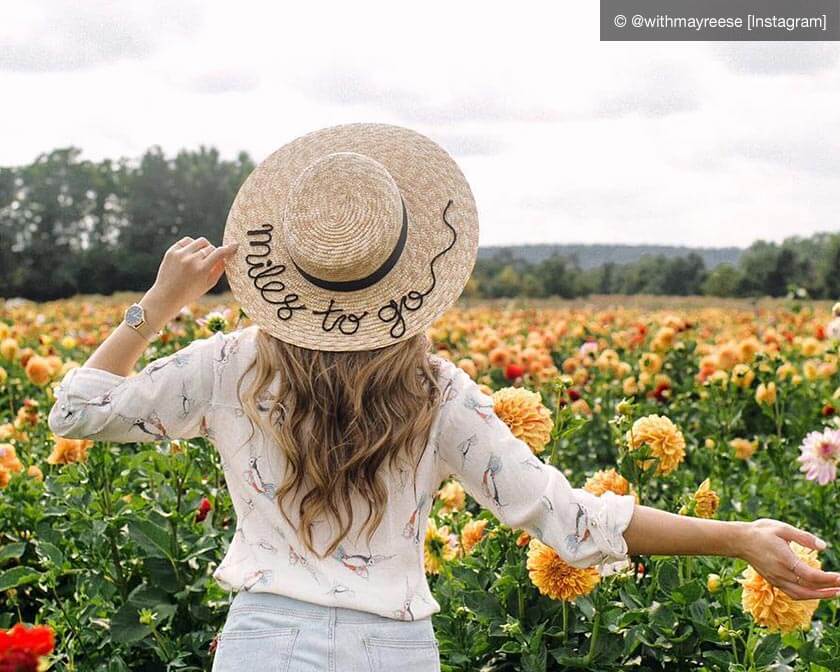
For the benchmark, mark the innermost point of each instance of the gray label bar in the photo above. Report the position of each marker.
(718, 20)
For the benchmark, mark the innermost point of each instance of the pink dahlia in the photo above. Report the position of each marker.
(820, 455)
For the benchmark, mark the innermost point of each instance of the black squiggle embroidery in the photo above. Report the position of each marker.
(413, 299)
(341, 319)
(263, 271)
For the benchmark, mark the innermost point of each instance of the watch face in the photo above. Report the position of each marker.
(134, 315)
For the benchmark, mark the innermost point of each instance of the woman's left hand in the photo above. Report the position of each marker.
(190, 268)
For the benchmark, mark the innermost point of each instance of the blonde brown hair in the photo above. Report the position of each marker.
(337, 418)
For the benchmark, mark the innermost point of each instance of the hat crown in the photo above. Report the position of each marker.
(343, 217)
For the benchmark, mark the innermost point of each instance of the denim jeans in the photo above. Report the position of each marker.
(266, 632)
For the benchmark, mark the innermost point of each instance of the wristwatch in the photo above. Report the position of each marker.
(135, 317)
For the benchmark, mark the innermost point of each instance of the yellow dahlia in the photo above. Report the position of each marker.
(742, 375)
(706, 501)
(772, 607)
(607, 480)
(664, 439)
(453, 496)
(556, 578)
(9, 349)
(471, 534)
(438, 547)
(523, 411)
(766, 394)
(650, 363)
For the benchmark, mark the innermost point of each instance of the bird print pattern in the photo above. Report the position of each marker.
(192, 394)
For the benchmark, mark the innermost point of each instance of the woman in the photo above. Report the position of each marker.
(336, 426)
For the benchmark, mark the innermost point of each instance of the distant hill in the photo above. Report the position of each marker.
(592, 256)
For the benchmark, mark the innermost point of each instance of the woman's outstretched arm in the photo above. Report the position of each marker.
(763, 543)
(502, 474)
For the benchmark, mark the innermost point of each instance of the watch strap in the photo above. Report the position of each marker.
(146, 331)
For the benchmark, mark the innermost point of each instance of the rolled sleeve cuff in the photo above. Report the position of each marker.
(608, 520)
(82, 387)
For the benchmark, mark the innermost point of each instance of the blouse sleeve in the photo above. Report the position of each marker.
(503, 475)
(168, 399)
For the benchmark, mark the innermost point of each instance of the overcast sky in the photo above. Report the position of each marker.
(563, 138)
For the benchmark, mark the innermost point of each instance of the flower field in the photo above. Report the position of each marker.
(713, 411)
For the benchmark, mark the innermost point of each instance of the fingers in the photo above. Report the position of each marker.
(220, 253)
(801, 592)
(791, 533)
(817, 578)
(195, 245)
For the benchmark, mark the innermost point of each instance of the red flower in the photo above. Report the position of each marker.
(514, 371)
(204, 508)
(662, 392)
(820, 332)
(828, 410)
(574, 395)
(22, 646)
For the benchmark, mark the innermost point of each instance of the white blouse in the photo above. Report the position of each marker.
(192, 393)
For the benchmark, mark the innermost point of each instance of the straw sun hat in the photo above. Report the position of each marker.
(352, 237)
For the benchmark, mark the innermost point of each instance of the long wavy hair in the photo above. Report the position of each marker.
(340, 419)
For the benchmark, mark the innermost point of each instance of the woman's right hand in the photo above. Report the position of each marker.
(764, 544)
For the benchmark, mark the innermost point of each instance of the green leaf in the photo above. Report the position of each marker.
(483, 603)
(51, 553)
(767, 650)
(162, 574)
(17, 576)
(152, 538)
(12, 551)
(688, 592)
(669, 580)
(126, 627)
(125, 624)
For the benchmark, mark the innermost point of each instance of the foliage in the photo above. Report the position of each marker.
(111, 553)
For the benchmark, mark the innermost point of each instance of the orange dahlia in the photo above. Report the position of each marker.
(523, 411)
(453, 496)
(772, 607)
(744, 448)
(471, 534)
(66, 450)
(555, 577)
(607, 480)
(9, 459)
(706, 501)
(664, 439)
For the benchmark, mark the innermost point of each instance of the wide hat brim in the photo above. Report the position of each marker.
(428, 277)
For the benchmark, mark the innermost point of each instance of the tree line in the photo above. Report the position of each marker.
(69, 225)
(763, 269)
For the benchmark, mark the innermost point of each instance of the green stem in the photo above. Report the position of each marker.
(106, 494)
(593, 640)
(565, 621)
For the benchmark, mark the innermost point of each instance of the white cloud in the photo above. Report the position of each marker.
(563, 138)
